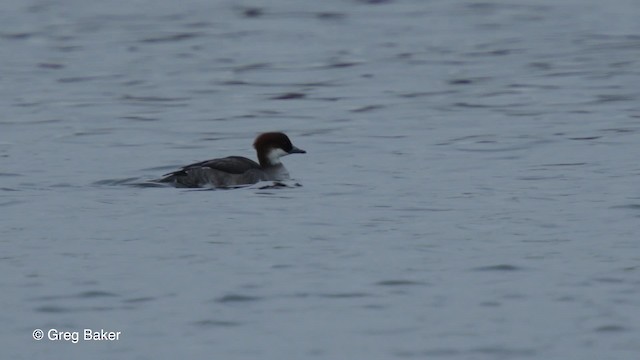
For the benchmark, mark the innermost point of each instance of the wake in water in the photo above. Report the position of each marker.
(146, 183)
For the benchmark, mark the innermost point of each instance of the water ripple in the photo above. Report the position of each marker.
(237, 298)
(215, 323)
(399, 283)
(172, 37)
(500, 267)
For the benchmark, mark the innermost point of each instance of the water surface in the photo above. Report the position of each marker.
(470, 189)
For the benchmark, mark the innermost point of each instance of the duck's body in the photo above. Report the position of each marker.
(237, 170)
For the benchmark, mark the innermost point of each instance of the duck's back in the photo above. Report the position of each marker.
(223, 172)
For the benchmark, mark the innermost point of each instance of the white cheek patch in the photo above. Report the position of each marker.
(274, 155)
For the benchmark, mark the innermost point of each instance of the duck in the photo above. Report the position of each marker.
(237, 171)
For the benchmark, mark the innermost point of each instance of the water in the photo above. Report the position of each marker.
(469, 191)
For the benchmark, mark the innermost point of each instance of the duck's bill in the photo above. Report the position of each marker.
(295, 150)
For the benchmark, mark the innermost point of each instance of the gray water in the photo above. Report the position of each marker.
(470, 188)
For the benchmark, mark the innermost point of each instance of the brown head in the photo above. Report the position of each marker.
(272, 146)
